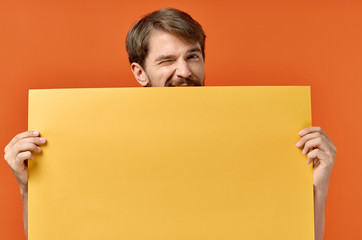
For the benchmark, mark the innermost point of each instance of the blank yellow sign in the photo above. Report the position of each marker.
(205, 163)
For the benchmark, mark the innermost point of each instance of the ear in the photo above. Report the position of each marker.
(140, 74)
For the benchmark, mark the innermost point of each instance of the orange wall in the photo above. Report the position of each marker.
(67, 44)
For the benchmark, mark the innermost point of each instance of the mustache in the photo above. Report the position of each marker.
(180, 81)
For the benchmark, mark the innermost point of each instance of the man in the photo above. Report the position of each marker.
(167, 49)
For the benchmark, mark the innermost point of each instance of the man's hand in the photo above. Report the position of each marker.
(321, 151)
(19, 151)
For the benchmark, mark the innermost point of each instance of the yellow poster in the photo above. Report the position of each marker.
(193, 163)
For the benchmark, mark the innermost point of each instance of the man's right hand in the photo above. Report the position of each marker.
(17, 153)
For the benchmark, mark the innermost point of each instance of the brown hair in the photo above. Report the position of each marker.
(169, 20)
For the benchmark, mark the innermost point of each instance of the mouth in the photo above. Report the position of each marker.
(182, 82)
(181, 85)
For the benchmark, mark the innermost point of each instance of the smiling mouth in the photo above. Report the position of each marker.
(182, 82)
(181, 85)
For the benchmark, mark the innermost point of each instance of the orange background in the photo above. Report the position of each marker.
(72, 44)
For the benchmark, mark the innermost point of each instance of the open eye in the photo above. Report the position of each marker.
(193, 57)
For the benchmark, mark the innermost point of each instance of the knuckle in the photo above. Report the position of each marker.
(21, 135)
(17, 137)
(27, 154)
(11, 163)
(33, 147)
(6, 157)
(323, 138)
(306, 148)
(16, 146)
(313, 154)
(22, 156)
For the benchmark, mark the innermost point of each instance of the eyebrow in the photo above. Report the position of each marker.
(165, 57)
(196, 49)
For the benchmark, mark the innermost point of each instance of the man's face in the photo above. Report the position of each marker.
(171, 62)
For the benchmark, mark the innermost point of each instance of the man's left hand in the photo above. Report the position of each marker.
(321, 151)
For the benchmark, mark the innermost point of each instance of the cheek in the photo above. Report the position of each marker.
(163, 74)
(198, 70)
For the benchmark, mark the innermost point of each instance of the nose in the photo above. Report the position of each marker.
(183, 70)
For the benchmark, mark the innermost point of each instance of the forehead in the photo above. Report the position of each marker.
(162, 43)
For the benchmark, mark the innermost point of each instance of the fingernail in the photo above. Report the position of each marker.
(300, 133)
(303, 151)
(298, 144)
(42, 140)
(35, 133)
(39, 149)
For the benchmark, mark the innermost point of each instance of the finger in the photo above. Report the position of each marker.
(308, 137)
(21, 157)
(21, 136)
(313, 143)
(317, 156)
(25, 147)
(310, 130)
(19, 160)
(36, 140)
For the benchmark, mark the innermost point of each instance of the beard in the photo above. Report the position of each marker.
(182, 82)
(178, 82)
